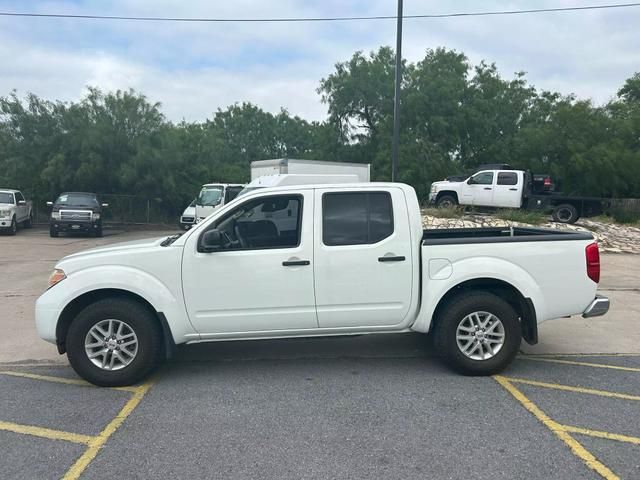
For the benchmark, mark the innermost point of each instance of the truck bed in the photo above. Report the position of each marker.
(450, 236)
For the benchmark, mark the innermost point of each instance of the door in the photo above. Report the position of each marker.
(262, 279)
(363, 263)
(507, 192)
(478, 190)
(22, 210)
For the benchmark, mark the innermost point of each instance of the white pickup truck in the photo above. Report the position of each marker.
(316, 260)
(513, 189)
(14, 211)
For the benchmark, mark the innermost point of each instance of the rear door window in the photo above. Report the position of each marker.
(357, 218)
(507, 178)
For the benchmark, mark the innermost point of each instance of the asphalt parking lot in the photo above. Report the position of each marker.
(363, 407)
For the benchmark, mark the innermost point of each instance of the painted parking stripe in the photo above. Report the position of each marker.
(97, 442)
(582, 364)
(46, 433)
(569, 388)
(67, 381)
(600, 434)
(576, 447)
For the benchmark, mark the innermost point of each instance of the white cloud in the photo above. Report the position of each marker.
(195, 68)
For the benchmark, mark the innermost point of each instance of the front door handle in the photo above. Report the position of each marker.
(295, 263)
(513, 189)
(398, 258)
(487, 188)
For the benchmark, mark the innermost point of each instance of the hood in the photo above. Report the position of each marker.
(189, 212)
(117, 248)
(6, 205)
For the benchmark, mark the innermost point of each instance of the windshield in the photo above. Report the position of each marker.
(210, 196)
(77, 200)
(6, 198)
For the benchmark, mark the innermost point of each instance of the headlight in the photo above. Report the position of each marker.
(96, 216)
(5, 213)
(56, 277)
(434, 189)
(55, 215)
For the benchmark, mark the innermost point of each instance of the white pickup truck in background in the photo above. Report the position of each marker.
(507, 188)
(317, 260)
(14, 211)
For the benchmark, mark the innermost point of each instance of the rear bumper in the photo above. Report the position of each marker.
(599, 306)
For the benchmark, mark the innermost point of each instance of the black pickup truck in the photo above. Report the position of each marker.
(79, 212)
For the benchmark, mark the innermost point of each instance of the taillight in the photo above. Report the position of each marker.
(593, 261)
(547, 182)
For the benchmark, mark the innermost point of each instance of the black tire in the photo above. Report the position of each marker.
(446, 201)
(451, 316)
(97, 232)
(29, 222)
(141, 321)
(565, 213)
(13, 229)
(53, 233)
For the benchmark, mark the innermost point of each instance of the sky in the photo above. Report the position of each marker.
(195, 68)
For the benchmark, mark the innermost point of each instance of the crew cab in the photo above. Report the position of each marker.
(14, 211)
(508, 188)
(316, 260)
(77, 212)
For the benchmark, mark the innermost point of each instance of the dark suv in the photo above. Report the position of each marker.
(76, 212)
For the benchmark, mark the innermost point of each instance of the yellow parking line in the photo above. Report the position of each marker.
(97, 442)
(568, 388)
(46, 433)
(557, 355)
(67, 381)
(600, 434)
(575, 446)
(582, 364)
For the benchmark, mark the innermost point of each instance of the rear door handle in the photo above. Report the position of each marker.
(513, 189)
(392, 259)
(295, 263)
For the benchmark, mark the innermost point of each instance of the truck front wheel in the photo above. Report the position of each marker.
(478, 333)
(114, 342)
(14, 226)
(446, 201)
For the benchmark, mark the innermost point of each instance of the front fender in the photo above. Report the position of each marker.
(473, 268)
(51, 304)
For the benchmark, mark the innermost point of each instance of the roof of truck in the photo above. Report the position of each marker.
(8, 190)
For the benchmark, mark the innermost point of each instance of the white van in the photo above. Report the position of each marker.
(213, 196)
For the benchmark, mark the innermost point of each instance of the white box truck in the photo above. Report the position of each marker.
(261, 168)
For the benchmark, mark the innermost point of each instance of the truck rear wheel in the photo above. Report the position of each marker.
(29, 222)
(478, 333)
(446, 201)
(565, 213)
(114, 342)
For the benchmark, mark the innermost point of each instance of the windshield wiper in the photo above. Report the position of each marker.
(170, 239)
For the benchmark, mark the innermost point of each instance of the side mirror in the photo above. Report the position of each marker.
(105, 205)
(50, 204)
(212, 240)
(22, 202)
(470, 181)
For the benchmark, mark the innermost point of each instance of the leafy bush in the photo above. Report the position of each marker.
(625, 216)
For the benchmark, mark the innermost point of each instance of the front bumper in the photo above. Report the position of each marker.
(75, 226)
(599, 306)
